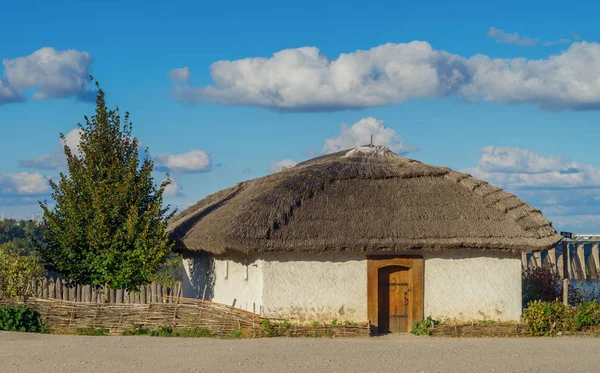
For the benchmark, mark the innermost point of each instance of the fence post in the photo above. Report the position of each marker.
(119, 296)
(565, 256)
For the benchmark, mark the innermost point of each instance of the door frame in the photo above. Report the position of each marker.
(415, 265)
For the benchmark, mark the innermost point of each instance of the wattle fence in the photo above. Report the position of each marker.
(43, 288)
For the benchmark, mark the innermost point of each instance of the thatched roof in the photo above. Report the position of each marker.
(361, 200)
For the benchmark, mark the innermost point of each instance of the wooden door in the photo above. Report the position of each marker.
(395, 299)
(394, 292)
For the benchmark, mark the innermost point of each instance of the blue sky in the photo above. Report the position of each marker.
(509, 92)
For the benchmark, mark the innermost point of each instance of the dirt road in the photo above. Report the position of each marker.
(20, 352)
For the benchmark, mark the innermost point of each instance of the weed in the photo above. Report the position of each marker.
(95, 332)
(236, 334)
(334, 322)
(424, 327)
(286, 325)
(136, 330)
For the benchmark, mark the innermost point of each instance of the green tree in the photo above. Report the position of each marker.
(107, 227)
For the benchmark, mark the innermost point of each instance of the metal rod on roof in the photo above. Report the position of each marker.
(371, 143)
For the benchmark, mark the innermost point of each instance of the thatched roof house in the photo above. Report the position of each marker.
(351, 222)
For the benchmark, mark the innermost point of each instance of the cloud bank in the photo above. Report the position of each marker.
(567, 192)
(304, 79)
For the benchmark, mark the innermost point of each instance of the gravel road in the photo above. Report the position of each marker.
(21, 352)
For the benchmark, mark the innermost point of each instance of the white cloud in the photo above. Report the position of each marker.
(281, 165)
(9, 94)
(511, 38)
(519, 168)
(516, 160)
(567, 192)
(180, 75)
(578, 223)
(173, 189)
(23, 184)
(190, 162)
(557, 41)
(304, 79)
(52, 73)
(56, 159)
(359, 134)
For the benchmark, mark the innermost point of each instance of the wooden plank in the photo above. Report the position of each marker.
(153, 293)
(52, 289)
(119, 296)
(59, 288)
(143, 295)
(159, 297)
(45, 289)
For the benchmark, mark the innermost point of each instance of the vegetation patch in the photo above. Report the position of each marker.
(20, 319)
(99, 331)
(425, 326)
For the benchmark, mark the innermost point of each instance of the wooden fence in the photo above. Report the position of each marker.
(43, 288)
(584, 260)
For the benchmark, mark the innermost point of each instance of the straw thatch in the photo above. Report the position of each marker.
(368, 199)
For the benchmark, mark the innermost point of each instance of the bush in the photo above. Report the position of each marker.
(588, 315)
(424, 327)
(549, 318)
(19, 319)
(544, 285)
(16, 272)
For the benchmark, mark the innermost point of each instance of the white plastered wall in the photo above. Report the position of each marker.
(226, 278)
(460, 285)
(315, 287)
(465, 285)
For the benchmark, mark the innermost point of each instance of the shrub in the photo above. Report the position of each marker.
(588, 315)
(16, 272)
(19, 319)
(545, 285)
(541, 284)
(424, 327)
(549, 318)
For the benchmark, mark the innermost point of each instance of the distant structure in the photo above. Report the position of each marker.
(584, 257)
